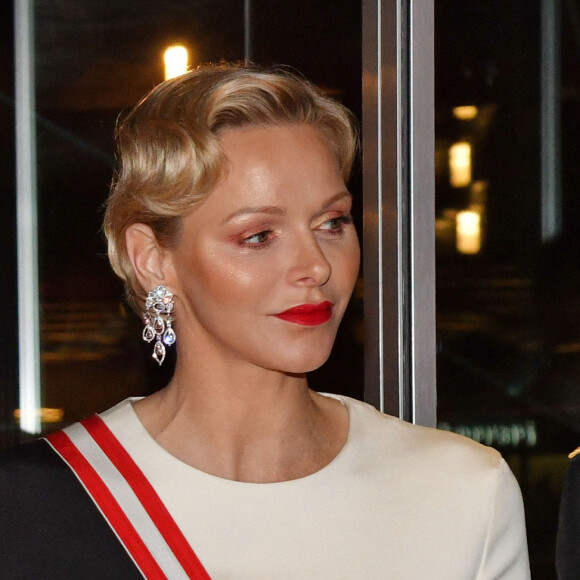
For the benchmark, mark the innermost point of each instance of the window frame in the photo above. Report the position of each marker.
(398, 192)
(399, 208)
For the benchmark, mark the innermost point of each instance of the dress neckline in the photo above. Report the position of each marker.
(133, 434)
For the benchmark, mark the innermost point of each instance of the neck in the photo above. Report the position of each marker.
(245, 423)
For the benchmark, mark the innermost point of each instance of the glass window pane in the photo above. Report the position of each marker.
(93, 60)
(507, 291)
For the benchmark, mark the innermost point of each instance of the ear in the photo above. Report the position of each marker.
(148, 258)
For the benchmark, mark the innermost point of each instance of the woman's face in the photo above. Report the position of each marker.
(274, 235)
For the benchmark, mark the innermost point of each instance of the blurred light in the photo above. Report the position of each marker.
(460, 164)
(45, 415)
(465, 112)
(515, 435)
(468, 229)
(175, 58)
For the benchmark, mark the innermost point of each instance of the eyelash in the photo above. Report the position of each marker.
(260, 244)
(340, 222)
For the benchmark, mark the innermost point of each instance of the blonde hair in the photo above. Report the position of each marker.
(169, 154)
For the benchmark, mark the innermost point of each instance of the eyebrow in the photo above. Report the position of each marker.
(249, 211)
(276, 210)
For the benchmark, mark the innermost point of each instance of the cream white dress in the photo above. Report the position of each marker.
(399, 501)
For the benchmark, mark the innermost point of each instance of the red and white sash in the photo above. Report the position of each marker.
(127, 501)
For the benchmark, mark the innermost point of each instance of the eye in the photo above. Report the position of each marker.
(336, 225)
(259, 238)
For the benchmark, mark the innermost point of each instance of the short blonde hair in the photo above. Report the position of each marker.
(169, 156)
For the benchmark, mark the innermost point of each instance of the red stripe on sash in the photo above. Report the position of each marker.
(147, 496)
(108, 505)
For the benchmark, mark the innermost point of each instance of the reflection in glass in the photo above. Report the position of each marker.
(94, 60)
(508, 317)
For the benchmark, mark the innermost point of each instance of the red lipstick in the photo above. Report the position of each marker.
(308, 314)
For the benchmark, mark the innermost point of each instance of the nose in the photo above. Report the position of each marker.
(309, 266)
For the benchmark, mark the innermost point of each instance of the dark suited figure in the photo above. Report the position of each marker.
(568, 542)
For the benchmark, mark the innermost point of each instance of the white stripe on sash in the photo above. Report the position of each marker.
(128, 502)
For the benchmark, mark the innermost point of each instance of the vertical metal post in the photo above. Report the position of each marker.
(551, 195)
(399, 260)
(26, 217)
(381, 185)
(422, 213)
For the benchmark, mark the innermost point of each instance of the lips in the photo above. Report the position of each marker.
(308, 314)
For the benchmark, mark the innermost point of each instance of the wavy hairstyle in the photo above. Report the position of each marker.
(169, 154)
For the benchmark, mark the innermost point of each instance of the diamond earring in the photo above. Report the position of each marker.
(157, 319)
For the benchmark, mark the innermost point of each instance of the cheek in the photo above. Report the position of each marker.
(235, 278)
(240, 274)
(355, 257)
(346, 264)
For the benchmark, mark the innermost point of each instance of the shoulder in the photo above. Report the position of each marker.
(28, 475)
(571, 489)
(49, 526)
(405, 441)
(574, 468)
(25, 461)
(428, 461)
(449, 482)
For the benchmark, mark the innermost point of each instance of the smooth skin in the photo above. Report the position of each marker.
(275, 233)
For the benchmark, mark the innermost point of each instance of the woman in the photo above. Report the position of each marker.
(229, 220)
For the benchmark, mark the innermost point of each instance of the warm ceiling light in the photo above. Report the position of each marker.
(45, 414)
(175, 58)
(468, 230)
(460, 164)
(465, 112)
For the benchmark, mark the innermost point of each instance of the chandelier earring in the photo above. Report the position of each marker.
(157, 319)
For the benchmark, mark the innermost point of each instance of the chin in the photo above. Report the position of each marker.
(300, 365)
